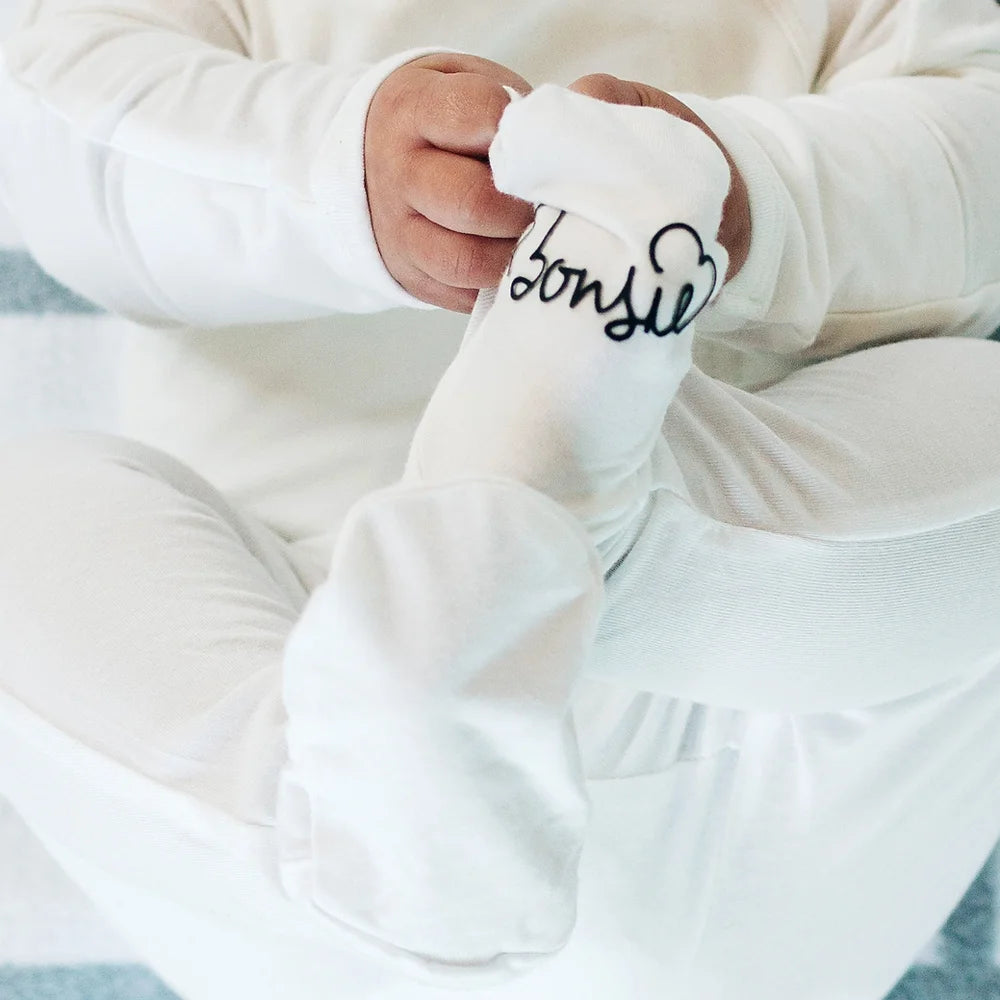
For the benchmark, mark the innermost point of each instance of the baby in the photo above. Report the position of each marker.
(621, 618)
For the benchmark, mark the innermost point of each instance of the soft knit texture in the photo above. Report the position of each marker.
(368, 739)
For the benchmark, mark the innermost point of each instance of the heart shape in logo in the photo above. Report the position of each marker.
(687, 307)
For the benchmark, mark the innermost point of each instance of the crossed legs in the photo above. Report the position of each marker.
(786, 731)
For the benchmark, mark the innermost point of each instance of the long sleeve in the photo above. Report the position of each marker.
(433, 804)
(157, 168)
(873, 199)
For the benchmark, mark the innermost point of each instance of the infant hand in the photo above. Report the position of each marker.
(442, 228)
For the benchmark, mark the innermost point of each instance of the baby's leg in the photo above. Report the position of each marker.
(820, 575)
(818, 567)
(815, 601)
(141, 724)
(776, 856)
(566, 371)
(279, 794)
(830, 542)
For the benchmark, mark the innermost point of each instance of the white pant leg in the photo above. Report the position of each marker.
(712, 863)
(829, 542)
(810, 855)
(804, 852)
(141, 725)
(138, 603)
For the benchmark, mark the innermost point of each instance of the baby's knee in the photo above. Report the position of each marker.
(43, 468)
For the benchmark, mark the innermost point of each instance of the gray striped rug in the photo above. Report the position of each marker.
(56, 362)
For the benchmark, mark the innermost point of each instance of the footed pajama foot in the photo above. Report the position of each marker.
(566, 372)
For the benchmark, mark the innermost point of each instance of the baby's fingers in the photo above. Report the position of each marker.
(457, 193)
(459, 112)
(456, 259)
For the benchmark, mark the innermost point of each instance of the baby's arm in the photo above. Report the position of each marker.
(174, 166)
(873, 198)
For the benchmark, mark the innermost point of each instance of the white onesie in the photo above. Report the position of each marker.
(640, 639)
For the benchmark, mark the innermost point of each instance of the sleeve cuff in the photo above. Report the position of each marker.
(339, 187)
(748, 297)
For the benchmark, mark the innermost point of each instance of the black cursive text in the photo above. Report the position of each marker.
(555, 278)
